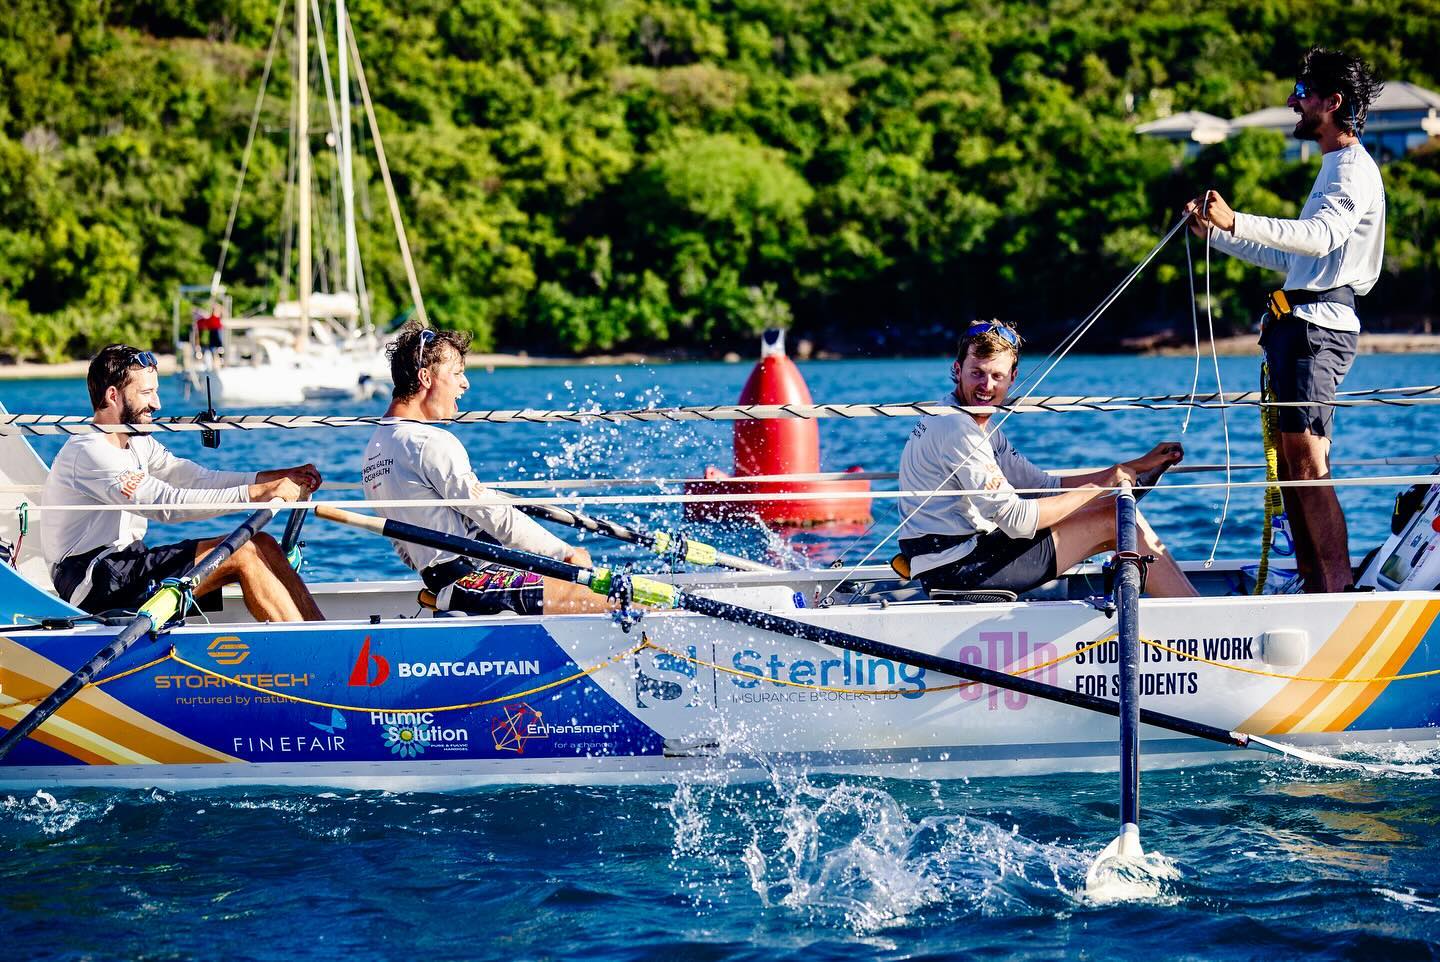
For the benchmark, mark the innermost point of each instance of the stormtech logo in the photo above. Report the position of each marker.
(228, 650)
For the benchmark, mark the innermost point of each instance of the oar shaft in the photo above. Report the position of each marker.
(697, 552)
(154, 614)
(1127, 602)
(668, 596)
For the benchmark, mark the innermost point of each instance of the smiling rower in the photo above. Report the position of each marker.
(999, 539)
(423, 462)
(99, 559)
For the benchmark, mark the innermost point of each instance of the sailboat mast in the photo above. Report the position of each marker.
(302, 136)
(347, 174)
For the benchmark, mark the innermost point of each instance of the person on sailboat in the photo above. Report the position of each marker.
(999, 539)
(1331, 255)
(99, 560)
(423, 462)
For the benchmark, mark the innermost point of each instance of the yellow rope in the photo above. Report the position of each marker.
(1274, 502)
(99, 681)
(439, 708)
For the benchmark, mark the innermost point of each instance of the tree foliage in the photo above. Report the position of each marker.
(593, 175)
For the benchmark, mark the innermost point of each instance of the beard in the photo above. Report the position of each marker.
(1307, 127)
(133, 415)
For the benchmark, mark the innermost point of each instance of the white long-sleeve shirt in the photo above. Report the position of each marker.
(89, 470)
(1339, 239)
(422, 462)
(951, 452)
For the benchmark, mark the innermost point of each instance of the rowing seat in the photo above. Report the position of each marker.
(983, 596)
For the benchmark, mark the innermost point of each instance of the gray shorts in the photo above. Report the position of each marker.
(1307, 363)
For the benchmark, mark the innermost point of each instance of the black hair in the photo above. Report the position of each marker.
(1331, 72)
(111, 368)
(417, 348)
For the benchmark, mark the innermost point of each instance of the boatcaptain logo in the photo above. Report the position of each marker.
(360, 673)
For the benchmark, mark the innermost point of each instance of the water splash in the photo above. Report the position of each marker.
(852, 853)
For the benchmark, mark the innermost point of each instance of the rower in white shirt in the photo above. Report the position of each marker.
(1331, 255)
(99, 560)
(423, 462)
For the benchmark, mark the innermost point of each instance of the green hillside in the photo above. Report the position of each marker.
(594, 176)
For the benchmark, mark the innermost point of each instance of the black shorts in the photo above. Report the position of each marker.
(482, 588)
(998, 562)
(125, 578)
(1306, 363)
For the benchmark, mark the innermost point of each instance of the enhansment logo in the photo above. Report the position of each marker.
(228, 650)
(514, 729)
(360, 672)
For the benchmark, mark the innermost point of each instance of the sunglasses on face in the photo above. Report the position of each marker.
(993, 327)
(143, 359)
(1303, 90)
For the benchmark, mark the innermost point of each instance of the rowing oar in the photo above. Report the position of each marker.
(660, 542)
(1128, 564)
(154, 614)
(657, 594)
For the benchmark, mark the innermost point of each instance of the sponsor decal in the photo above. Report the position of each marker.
(361, 675)
(275, 679)
(298, 744)
(409, 734)
(360, 672)
(337, 723)
(512, 729)
(228, 650)
(518, 724)
(849, 670)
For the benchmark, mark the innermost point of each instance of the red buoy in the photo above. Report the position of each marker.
(778, 446)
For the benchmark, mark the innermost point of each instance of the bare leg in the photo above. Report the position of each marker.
(1309, 459)
(1092, 530)
(1305, 561)
(272, 590)
(568, 598)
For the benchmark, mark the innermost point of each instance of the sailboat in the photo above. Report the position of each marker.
(321, 344)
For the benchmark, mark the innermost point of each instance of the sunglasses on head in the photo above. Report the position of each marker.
(993, 327)
(143, 359)
(422, 342)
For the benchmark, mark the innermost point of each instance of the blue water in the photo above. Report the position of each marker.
(1267, 859)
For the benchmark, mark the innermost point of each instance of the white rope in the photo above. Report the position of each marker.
(249, 143)
(385, 175)
(1224, 413)
(1393, 480)
(557, 484)
(69, 424)
(1194, 326)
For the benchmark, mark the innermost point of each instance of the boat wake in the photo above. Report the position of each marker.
(51, 816)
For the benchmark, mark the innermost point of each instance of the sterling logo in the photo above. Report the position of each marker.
(360, 673)
(228, 650)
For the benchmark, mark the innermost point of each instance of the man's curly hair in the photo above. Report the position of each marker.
(1336, 72)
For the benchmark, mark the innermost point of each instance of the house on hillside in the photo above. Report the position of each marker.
(1404, 117)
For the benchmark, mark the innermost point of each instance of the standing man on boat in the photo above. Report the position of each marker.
(422, 462)
(1330, 256)
(99, 559)
(1001, 540)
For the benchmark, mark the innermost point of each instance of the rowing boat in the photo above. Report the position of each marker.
(378, 698)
